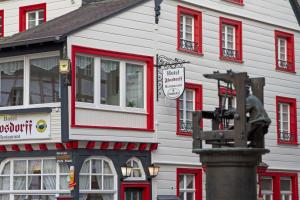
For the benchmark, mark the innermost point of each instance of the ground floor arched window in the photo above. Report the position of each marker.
(98, 179)
(33, 178)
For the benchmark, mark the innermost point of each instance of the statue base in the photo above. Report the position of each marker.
(231, 172)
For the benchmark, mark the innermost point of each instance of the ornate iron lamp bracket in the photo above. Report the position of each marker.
(163, 62)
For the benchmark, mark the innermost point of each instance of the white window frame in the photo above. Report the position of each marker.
(226, 36)
(186, 190)
(114, 173)
(140, 167)
(11, 192)
(26, 81)
(183, 22)
(183, 98)
(96, 105)
(36, 13)
(290, 193)
(267, 192)
(281, 117)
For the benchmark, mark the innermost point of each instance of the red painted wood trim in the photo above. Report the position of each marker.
(224, 90)
(15, 147)
(144, 186)
(198, 180)
(59, 146)
(104, 145)
(2, 148)
(2, 21)
(118, 145)
(90, 145)
(153, 147)
(238, 2)
(238, 39)
(290, 50)
(198, 106)
(293, 118)
(130, 146)
(23, 10)
(120, 55)
(28, 147)
(43, 147)
(276, 183)
(143, 146)
(197, 28)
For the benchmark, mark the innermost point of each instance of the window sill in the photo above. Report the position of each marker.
(90, 106)
(25, 107)
(190, 52)
(234, 2)
(180, 133)
(231, 60)
(288, 143)
(278, 69)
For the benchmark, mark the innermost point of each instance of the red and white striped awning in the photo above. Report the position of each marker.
(126, 146)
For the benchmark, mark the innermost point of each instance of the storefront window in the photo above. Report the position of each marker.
(97, 180)
(30, 178)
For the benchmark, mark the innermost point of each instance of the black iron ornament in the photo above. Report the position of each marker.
(157, 10)
(163, 63)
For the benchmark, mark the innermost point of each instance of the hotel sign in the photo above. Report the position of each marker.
(25, 126)
(173, 82)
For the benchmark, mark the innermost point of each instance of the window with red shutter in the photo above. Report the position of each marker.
(189, 101)
(189, 30)
(231, 40)
(286, 113)
(284, 51)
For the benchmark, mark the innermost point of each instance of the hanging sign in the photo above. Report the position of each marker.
(173, 82)
(25, 126)
(63, 157)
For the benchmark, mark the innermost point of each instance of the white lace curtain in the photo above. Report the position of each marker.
(82, 61)
(9, 68)
(45, 63)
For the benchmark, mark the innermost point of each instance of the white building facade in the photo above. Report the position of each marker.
(107, 113)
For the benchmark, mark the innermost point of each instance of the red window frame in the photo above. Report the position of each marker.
(197, 28)
(198, 180)
(238, 39)
(2, 21)
(145, 186)
(290, 51)
(23, 10)
(198, 106)
(276, 183)
(293, 119)
(239, 2)
(119, 55)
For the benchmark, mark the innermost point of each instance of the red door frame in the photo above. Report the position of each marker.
(140, 185)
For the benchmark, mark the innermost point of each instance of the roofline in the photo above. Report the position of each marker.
(296, 8)
(62, 37)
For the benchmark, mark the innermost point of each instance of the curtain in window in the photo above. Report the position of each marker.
(19, 181)
(10, 68)
(134, 85)
(84, 180)
(4, 197)
(49, 167)
(45, 63)
(84, 62)
(5, 177)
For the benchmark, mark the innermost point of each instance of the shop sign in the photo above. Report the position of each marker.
(22, 127)
(173, 82)
(63, 157)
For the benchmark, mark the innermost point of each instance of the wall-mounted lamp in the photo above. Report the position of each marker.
(153, 170)
(64, 69)
(126, 170)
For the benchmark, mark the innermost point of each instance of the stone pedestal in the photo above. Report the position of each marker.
(231, 172)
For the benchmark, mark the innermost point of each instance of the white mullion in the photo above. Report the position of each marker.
(27, 20)
(11, 185)
(285, 50)
(122, 84)
(281, 117)
(102, 177)
(226, 37)
(145, 88)
(278, 47)
(184, 27)
(233, 39)
(26, 87)
(36, 18)
(57, 176)
(97, 81)
(193, 31)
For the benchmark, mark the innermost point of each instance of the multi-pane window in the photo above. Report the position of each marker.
(189, 101)
(189, 30)
(186, 108)
(267, 188)
(120, 83)
(137, 172)
(97, 180)
(34, 18)
(28, 178)
(187, 186)
(1, 23)
(277, 185)
(29, 81)
(284, 45)
(286, 120)
(230, 40)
